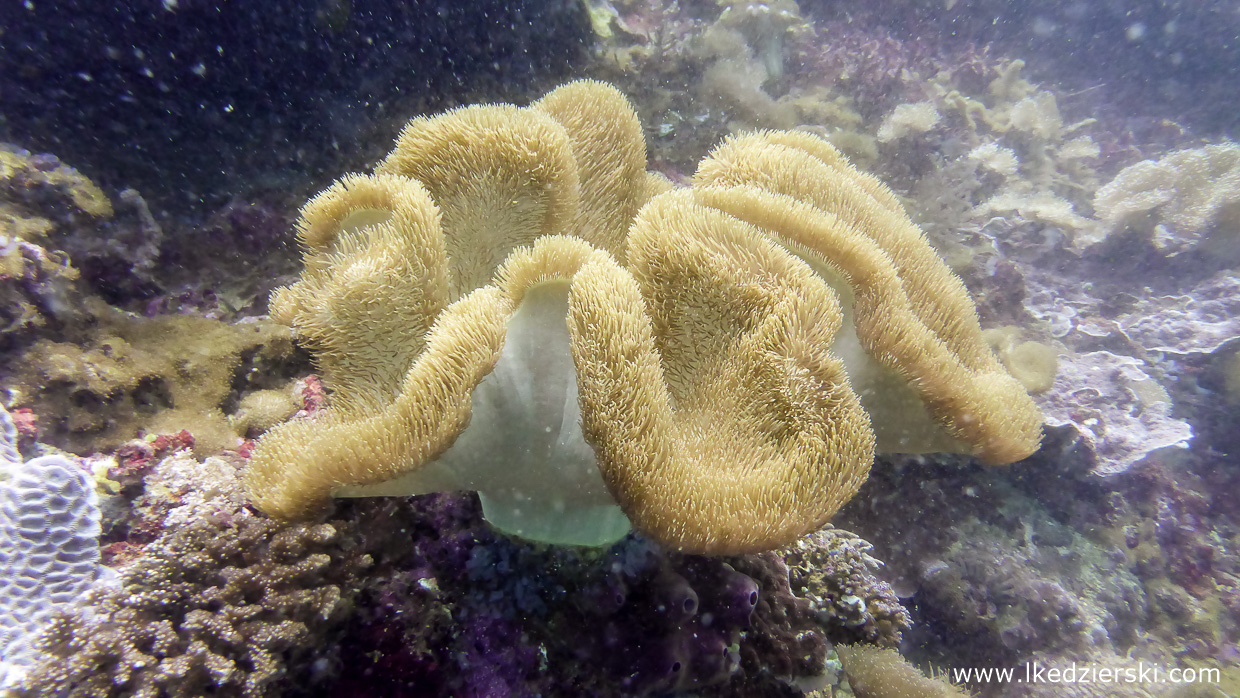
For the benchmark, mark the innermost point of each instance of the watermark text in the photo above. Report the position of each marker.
(1139, 673)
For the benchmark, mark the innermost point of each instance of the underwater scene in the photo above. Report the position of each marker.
(620, 349)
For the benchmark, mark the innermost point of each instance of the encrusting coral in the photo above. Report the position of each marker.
(511, 304)
(27, 181)
(42, 202)
(134, 374)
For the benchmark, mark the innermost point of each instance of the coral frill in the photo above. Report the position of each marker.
(717, 339)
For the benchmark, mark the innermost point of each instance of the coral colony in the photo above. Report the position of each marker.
(826, 350)
(49, 522)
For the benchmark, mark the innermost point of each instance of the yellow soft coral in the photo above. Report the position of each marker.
(486, 351)
(367, 240)
(512, 305)
(502, 178)
(914, 346)
(721, 423)
(875, 672)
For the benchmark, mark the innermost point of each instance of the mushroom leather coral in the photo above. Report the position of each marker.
(912, 344)
(366, 240)
(512, 305)
(721, 423)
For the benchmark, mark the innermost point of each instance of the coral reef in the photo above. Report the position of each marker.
(1050, 564)
(35, 183)
(47, 203)
(37, 289)
(421, 597)
(97, 375)
(981, 587)
(209, 608)
(1181, 50)
(720, 67)
(225, 266)
(644, 622)
(661, 382)
(1115, 545)
(41, 200)
(65, 238)
(1023, 161)
(834, 571)
(908, 119)
(631, 620)
(211, 598)
(1199, 320)
(1037, 256)
(1122, 415)
(1129, 352)
(744, 50)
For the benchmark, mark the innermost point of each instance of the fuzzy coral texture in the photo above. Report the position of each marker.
(754, 309)
(883, 673)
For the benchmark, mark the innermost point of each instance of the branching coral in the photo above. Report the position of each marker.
(507, 273)
(834, 571)
(209, 609)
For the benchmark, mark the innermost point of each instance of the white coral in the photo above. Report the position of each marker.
(49, 546)
(908, 119)
(1185, 196)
